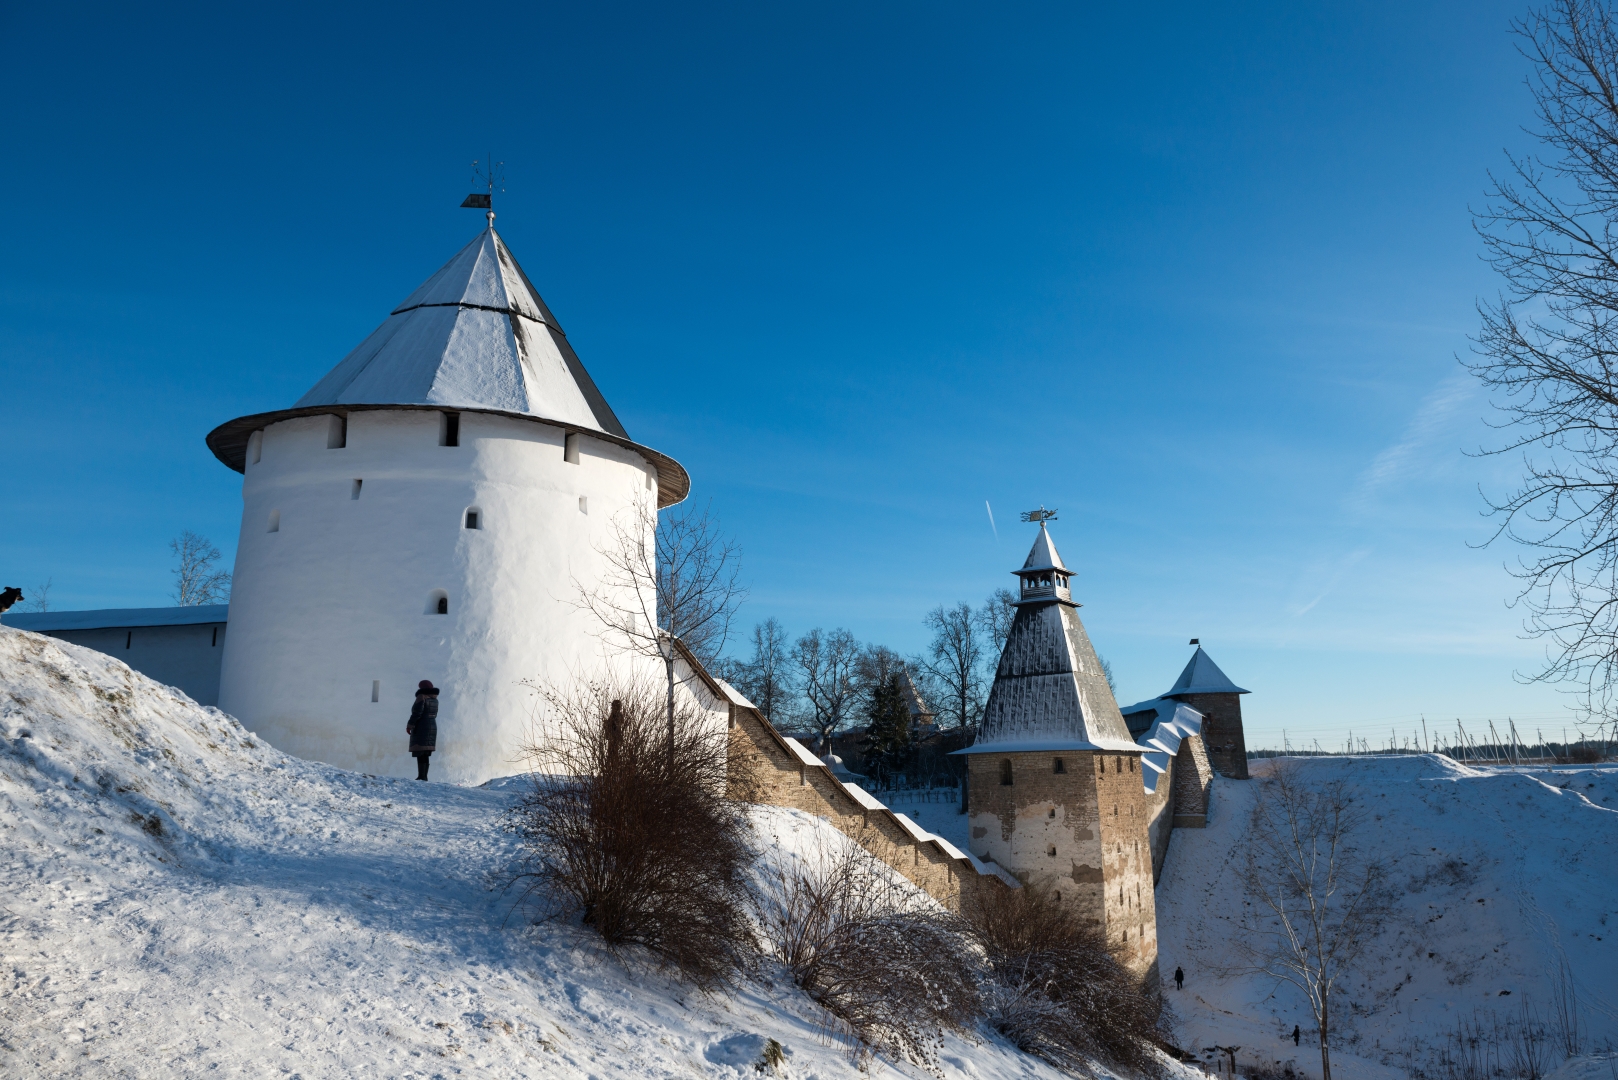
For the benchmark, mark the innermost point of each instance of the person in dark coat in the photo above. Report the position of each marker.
(1296, 1034)
(1179, 979)
(423, 726)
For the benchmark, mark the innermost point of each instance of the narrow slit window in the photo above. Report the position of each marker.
(255, 447)
(449, 429)
(1005, 773)
(443, 605)
(1060, 766)
(584, 504)
(570, 448)
(336, 432)
(355, 494)
(472, 519)
(376, 690)
(129, 639)
(215, 643)
(437, 602)
(275, 521)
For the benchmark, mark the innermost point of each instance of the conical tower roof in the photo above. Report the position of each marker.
(1043, 556)
(1049, 690)
(477, 337)
(1202, 676)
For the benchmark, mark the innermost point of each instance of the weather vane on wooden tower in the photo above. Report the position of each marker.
(1041, 516)
(491, 174)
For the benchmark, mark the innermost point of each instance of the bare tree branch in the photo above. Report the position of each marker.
(196, 582)
(1549, 348)
(825, 664)
(674, 577)
(1312, 902)
(955, 658)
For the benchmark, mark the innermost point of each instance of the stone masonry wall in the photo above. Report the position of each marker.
(1080, 832)
(766, 769)
(1192, 775)
(1221, 731)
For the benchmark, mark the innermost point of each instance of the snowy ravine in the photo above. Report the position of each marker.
(180, 899)
(1499, 877)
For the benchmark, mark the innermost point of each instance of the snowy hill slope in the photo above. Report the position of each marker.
(1501, 877)
(179, 899)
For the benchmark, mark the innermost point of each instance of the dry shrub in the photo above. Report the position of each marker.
(1055, 990)
(627, 825)
(869, 948)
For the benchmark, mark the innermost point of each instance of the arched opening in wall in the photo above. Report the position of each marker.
(336, 432)
(473, 519)
(1005, 773)
(438, 602)
(449, 429)
(255, 447)
(275, 521)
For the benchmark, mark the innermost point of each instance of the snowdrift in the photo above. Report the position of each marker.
(181, 899)
(1505, 880)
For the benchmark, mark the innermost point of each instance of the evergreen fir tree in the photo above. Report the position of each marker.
(888, 748)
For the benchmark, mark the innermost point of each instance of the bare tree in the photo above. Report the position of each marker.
(994, 619)
(869, 947)
(41, 600)
(825, 664)
(196, 581)
(671, 577)
(633, 836)
(955, 660)
(1549, 347)
(765, 676)
(1312, 902)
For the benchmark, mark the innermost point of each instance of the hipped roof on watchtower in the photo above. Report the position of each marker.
(1049, 690)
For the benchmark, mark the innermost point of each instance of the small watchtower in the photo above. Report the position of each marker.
(1054, 792)
(1209, 691)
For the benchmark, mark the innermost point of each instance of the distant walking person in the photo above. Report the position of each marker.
(423, 726)
(1296, 1034)
(1179, 979)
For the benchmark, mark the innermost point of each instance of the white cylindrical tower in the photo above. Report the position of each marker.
(431, 509)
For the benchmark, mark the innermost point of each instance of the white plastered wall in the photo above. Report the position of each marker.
(340, 596)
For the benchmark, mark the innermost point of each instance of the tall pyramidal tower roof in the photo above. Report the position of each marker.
(1049, 690)
(475, 337)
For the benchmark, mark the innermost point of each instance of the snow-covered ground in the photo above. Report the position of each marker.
(180, 899)
(1501, 876)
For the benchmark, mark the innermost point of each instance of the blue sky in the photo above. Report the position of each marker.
(1197, 276)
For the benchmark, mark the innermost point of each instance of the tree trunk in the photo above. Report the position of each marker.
(1325, 1053)
(668, 667)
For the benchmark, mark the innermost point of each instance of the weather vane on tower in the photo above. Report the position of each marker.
(491, 174)
(1040, 516)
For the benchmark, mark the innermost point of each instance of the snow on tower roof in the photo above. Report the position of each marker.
(1049, 691)
(1202, 676)
(1043, 556)
(476, 336)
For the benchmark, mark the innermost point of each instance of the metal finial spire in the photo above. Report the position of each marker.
(1041, 515)
(492, 174)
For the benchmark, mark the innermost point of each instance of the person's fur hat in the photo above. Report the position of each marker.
(426, 686)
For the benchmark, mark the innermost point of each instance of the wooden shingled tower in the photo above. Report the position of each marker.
(1055, 792)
